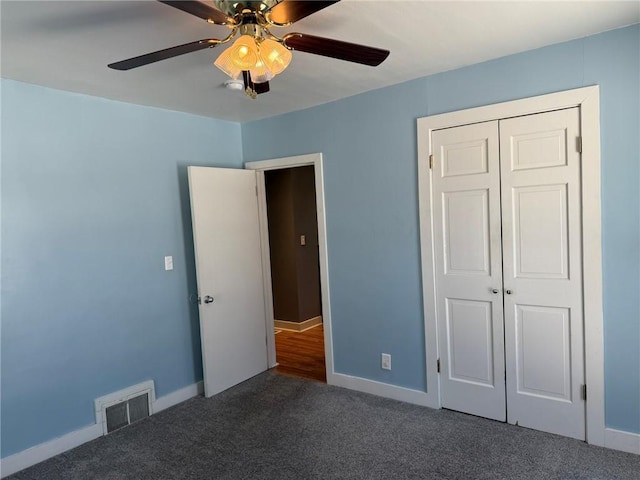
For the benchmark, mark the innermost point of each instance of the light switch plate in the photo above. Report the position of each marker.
(303, 239)
(168, 262)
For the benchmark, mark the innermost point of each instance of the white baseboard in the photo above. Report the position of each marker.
(298, 326)
(39, 453)
(382, 389)
(178, 396)
(21, 460)
(620, 440)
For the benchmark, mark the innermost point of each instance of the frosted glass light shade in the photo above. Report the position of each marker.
(244, 52)
(275, 56)
(224, 63)
(242, 55)
(260, 73)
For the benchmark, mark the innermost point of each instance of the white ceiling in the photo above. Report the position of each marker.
(67, 45)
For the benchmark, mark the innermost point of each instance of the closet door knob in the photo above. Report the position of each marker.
(508, 292)
(495, 291)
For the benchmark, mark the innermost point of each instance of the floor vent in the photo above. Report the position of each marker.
(119, 409)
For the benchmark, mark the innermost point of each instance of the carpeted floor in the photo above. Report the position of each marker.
(278, 427)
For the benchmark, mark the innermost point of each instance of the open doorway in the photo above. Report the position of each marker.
(304, 344)
(295, 272)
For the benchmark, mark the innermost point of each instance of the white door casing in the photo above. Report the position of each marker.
(226, 237)
(260, 167)
(542, 243)
(468, 269)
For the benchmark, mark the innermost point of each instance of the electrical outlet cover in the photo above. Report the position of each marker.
(386, 361)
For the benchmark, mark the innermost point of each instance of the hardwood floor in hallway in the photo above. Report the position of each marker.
(301, 354)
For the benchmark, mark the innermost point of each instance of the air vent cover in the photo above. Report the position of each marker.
(125, 407)
(138, 408)
(117, 416)
(125, 413)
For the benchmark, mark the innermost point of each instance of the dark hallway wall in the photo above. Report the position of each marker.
(284, 278)
(295, 274)
(307, 261)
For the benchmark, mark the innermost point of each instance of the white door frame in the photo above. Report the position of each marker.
(588, 99)
(315, 160)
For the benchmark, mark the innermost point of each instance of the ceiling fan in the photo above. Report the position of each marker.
(257, 55)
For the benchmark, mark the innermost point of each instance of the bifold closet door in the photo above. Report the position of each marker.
(542, 241)
(508, 260)
(466, 206)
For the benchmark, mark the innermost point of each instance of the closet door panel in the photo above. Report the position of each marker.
(465, 222)
(470, 342)
(466, 203)
(540, 242)
(544, 352)
(542, 261)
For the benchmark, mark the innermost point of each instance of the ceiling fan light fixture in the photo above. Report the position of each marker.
(263, 58)
(257, 55)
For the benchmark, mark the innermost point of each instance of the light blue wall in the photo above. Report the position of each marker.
(617, 71)
(371, 193)
(369, 147)
(94, 195)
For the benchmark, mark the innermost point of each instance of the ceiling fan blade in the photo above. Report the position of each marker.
(202, 10)
(289, 11)
(328, 47)
(164, 54)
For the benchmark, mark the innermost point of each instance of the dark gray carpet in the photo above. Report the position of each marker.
(277, 427)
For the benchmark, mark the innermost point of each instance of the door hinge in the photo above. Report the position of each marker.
(579, 144)
(438, 365)
(256, 190)
(431, 161)
(583, 392)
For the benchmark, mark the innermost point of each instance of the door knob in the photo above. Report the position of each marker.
(208, 299)
(495, 291)
(508, 292)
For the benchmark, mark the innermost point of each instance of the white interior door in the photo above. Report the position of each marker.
(466, 205)
(226, 235)
(542, 241)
